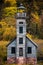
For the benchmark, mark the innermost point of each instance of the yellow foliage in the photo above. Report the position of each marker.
(35, 15)
(10, 11)
(11, 1)
(11, 21)
(10, 8)
(3, 43)
(9, 33)
(29, 36)
(21, 11)
(7, 28)
(35, 5)
(3, 24)
(36, 19)
(10, 30)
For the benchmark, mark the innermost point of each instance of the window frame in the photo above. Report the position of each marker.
(20, 53)
(29, 50)
(21, 40)
(13, 50)
(21, 29)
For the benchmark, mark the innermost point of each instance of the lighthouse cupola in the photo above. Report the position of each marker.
(21, 11)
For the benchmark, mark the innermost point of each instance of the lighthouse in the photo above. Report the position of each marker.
(21, 49)
(21, 31)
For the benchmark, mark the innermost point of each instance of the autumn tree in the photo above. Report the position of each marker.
(7, 8)
(9, 34)
(2, 5)
(41, 27)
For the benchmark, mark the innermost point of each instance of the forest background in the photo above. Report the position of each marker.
(8, 10)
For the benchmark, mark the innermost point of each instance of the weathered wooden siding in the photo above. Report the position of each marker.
(9, 54)
(28, 44)
(23, 25)
(21, 35)
(34, 49)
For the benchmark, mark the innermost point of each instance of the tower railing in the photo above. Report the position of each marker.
(21, 14)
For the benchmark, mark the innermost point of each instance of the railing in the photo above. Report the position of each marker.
(21, 14)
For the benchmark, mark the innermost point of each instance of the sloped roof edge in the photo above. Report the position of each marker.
(10, 42)
(27, 38)
(32, 41)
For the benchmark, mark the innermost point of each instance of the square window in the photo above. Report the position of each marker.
(29, 50)
(20, 51)
(20, 40)
(13, 50)
(20, 29)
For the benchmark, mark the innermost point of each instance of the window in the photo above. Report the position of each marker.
(13, 50)
(29, 50)
(20, 22)
(20, 40)
(20, 51)
(20, 29)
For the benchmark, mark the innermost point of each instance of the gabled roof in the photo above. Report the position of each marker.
(32, 41)
(27, 38)
(11, 42)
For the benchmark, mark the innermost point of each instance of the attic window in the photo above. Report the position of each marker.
(13, 50)
(29, 50)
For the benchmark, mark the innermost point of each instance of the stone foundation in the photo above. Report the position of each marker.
(21, 60)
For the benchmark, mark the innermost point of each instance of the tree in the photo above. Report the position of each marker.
(11, 2)
(41, 26)
(9, 33)
(2, 5)
(7, 7)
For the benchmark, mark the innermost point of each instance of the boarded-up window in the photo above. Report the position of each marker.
(20, 51)
(13, 50)
(29, 50)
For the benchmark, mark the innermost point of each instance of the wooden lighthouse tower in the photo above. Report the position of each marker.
(21, 32)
